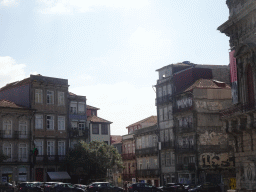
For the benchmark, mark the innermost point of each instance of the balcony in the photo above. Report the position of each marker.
(148, 173)
(14, 134)
(147, 151)
(188, 167)
(17, 159)
(78, 133)
(186, 129)
(167, 145)
(128, 156)
(77, 116)
(127, 177)
(164, 99)
(50, 158)
(177, 110)
(185, 148)
(237, 109)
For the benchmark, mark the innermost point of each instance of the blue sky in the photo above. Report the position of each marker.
(109, 49)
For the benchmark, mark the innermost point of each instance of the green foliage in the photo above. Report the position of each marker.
(93, 159)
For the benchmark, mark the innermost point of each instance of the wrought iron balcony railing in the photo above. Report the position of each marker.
(238, 108)
(167, 145)
(50, 158)
(78, 133)
(185, 148)
(189, 166)
(14, 134)
(164, 99)
(128, 176)
(148, 173)
(147, 151)
(128, 156)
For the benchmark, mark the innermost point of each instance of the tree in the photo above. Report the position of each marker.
(93, 160)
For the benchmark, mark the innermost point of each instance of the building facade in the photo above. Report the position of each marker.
(15, 134)
(146, 152)
(203, 153)
(49, 133)
(241, 117)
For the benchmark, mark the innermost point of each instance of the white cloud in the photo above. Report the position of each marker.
(71, 6)
(120, 103)
(9, 3)
(10, 70)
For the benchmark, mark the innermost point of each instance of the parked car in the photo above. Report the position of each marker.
(29, 186)
(190, 186)
(143, 187)
(8, 187)
(81, 186)
(65, 187)
(47, 186)
(206, 187)
(174, 187)
(103, 187)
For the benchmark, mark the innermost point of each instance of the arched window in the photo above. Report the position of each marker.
(250, 85)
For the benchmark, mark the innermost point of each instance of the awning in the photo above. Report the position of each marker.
(58, 175)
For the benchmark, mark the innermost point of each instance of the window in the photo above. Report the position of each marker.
(38, 96)
(162, 159)
(155, 162)
(61, 123)
(179, 160)
(74, 125)
(7, 127)
(50, 122)
(140, 164)
(81, 107)
(23, 128)
(165, 113)
(154, 141)
(173, 158)
(23, 151)
(39, 121)
(161, 118)
(39, 146)
(95, 128)
(166, 135)
(61, 148)
(147, 163)
(81, 126)
(168, 159)
(191, 159)
(8, 150)
(73, 107)
(50, 97)
(185, 160)
(104, 129)
(61, 100)
(50, 147)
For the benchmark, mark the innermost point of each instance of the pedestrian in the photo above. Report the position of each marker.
(125, 186)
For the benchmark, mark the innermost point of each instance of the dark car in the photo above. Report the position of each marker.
(65, 187)
(189, 186)
(206, 187)
(103, 187)
(8, 187)
(143, 187)
(174, 187)
(29, 186)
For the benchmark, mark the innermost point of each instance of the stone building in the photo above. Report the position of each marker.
(240, 119)
(146, 152)
(15, 141)
(78, 131)
(203, 153)
(174, 79)
(99, 128)
(49, 133)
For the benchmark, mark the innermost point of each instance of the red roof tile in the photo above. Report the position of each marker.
(116, 139)
(5, 103)
(96, 119)
(151, 119)
(208, 84)
(91, 107)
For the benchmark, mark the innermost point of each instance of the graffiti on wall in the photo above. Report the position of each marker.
(184, 102)
(210, 160)
(212, 106)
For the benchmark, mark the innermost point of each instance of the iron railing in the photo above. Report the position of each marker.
(128, 156)
(148, 173)
(238, 108)
(50, 158)
(14, 134)
(146, 151)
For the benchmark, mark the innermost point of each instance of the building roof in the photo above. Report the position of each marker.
(188, 64)
(151, 119)
(91, 107)
(40, 78)
(96, 119)
(208, 84)
(116, 139)
(10, 104)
